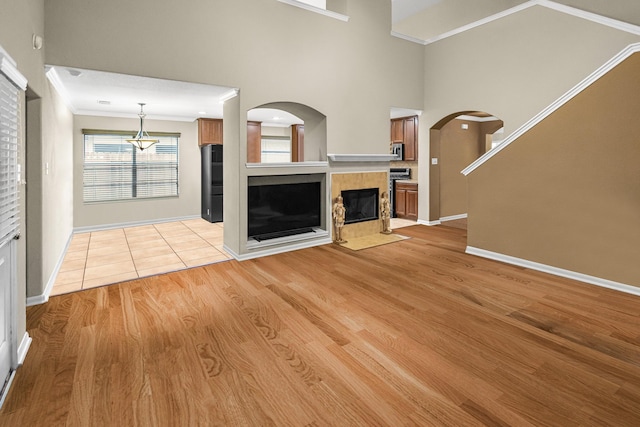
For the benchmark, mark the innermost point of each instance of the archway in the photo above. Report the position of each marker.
(283, 132)
(455, 141)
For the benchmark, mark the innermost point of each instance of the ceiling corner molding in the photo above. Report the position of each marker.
(589, 16)
(9, 68)
(57, 84)
(310, 8)
(484, 21)
(408, 38)
(604, 69)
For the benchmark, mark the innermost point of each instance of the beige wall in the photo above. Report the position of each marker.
(99, 215)
(351, 72)
(567, 192)
(512, 68)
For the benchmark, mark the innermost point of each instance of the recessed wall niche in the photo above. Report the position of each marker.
(286, 132)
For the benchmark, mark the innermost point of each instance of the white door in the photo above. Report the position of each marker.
(5, 318)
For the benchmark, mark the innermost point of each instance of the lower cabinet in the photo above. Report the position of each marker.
(406, 200)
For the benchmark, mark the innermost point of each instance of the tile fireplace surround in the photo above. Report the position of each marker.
(357, 181)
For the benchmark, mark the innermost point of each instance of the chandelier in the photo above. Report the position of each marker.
(142, 140)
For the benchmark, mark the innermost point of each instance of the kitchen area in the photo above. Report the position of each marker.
(403, 173)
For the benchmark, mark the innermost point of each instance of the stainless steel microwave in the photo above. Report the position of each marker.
(397, 149)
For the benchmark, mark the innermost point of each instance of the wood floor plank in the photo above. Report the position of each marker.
(414, 333)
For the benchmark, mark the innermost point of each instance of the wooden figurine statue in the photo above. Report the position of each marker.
(385, 213)
(339, 213)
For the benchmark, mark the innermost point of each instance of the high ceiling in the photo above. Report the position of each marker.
(107, 94)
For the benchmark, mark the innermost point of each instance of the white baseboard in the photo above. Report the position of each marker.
(429, 223)
(102, 227)
(634, 290)
(22, 353)
(453, 217)
(44, 297)
(279, 250)
(23, 348)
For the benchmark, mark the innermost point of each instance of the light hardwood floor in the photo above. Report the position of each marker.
(409, 333)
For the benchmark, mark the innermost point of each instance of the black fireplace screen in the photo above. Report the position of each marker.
(361, 205)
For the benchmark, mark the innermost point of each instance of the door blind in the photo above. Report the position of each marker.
(9, 148)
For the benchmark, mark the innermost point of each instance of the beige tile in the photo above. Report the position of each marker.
(99, 260)
(79, 242)
(109, 280)
(168, 268)
(151, 251)
(191, 254)
(157, 261)
(67, 277)
(109, 270)
(182, 238)
(75, 255)
(206, 260)
(188, 245)
(221, 249)
(146, 242)
(65, 289)
(73, 264)
(143, 229)
(107, 235)
(107, 250)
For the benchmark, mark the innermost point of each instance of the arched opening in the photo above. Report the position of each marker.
(456, 141)
(283, 132)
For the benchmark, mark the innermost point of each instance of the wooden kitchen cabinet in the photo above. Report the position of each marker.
(406, 200)
(405, 130)
(254, 142)
(297, 143)
(209, 131)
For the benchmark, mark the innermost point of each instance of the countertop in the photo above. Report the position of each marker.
(407, 181)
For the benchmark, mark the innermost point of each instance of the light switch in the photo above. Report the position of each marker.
(434, 161)
(465, 126)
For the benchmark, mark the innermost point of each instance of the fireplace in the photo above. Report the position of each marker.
(361, 204)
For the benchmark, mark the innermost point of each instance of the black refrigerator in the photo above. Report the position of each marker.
(211, 157)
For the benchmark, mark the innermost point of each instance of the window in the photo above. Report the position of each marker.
(115, 170)
(9, 169)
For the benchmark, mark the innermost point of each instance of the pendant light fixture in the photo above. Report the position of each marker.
(142, 140)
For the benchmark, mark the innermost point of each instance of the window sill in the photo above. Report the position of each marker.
(324, 12)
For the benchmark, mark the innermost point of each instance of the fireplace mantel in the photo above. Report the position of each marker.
(362, 157)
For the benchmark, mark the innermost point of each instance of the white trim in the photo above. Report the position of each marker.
(9, 68)
(578, 13)
(608, 66)
(5, 391)
(54, 79)
(589, 16)
(24, 348)
(318, 233)
(453, 217)
(44, 297)
(277, 250)
(103, 227)
(429, 223)
(287, 165)
(483, 21)
(407, 37)
(634, 290)
(362, 157)
(477, 119)
(324, 12)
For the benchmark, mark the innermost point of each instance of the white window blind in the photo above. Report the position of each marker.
(115, 170)
(9, 149)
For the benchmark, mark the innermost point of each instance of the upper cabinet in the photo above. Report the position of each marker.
(209, 131)
(254, 142)
(405, 130)
(297, 143)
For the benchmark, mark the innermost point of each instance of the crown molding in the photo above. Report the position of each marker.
(310, 8)
(54, 79)
(569, 10)
(604, 69)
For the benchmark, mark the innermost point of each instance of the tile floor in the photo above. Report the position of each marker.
(105, 257)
